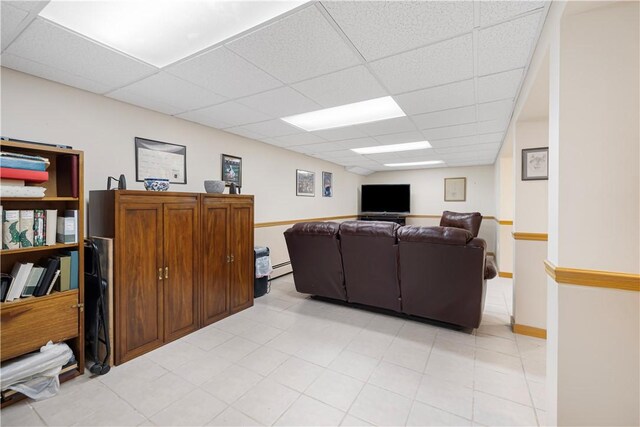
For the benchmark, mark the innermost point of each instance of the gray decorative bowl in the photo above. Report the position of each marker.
(156, 184)
(214, 187)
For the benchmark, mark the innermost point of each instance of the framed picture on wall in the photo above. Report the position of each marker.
(305, 183)
(231, 170)
(455, 189)
(327, 184)
(535, 163)
(155, 159)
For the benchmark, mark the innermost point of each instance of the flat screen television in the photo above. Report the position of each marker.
(392, 198)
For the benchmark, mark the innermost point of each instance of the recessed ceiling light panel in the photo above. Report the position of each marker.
(426, 163)
(420, 145)
(357, 113)
(161, 32)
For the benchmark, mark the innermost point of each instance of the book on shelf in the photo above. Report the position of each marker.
(27, 175)
(67, 183)
(73, 213)
(65, 231)
(51, 224)
(20, 275)
(26, 192)
(10, 232)
(73, 274)
(39, 227)
(20, 163)
(65, 273)
(5, 284)
(32, 281)
(26, 228)
(12, 182)
(48, 279)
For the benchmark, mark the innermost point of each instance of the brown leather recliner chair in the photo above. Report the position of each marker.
(370, 260)
(442, 274)
(314, 251)
(469, 221)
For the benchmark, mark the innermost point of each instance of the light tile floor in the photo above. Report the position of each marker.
(292, 360)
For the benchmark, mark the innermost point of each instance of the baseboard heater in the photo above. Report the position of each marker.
(281, 269)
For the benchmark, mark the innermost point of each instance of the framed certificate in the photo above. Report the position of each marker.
(155, 159)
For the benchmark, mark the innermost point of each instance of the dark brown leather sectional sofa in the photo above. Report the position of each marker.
(433, 272)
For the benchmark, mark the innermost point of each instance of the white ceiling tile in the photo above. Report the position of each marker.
(232, 113)
(468, 140)
(273, 128)
(345, 145)
(168, 90)
(454, 116)
(400, 138)
(508, 45)
(240, 130)
(492, 146)
(445, 97)
(343, 87)
(298, 139)
(380, 29)
(338, 134)
(499, 86)
(57, 48)
(39, 70)
(493, 126)
(144, 102)
(304, 149)
(339, 154)
(457, 131)
(225, 73)
(280, 102)
(494, 11)
(385, 127)
(441, 63)
(297, 47)
(497, 110)
(198, 116)
(31, 6)
(12, 20)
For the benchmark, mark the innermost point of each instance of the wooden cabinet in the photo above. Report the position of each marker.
(26, 324)
(227, 255)
(182, 260)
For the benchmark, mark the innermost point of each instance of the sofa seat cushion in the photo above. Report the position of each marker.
(469, 221)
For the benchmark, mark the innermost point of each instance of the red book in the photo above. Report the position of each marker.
(27, 175)
(67, 181)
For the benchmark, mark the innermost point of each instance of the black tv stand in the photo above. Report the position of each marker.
(400, 219)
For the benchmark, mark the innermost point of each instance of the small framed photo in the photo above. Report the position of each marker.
(232, 170)
(305, 183)
(455, 189)
(327, 184)
(535, 163)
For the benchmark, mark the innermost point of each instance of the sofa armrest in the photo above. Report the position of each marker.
(490, 269)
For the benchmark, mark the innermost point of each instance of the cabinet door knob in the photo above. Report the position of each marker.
(166, 272)
(231, 258)
(228, 258)
(160, 273)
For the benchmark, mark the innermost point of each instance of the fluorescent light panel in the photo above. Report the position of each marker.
(426, 163)
(372, 110)
(420, 145)
(161, 32)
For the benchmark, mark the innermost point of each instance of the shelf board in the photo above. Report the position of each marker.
(39, 199)
(38, 248)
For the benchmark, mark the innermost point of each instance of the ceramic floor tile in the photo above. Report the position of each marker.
(542, 417)
(335, 389)
(202, 369)
(234, 349)
(310, 412)
(287, 342)
(138, 369)
(370, 343)
(235, 325)
(500, 362)
(451, 368)
(20, 414)
(232, 383)
(448, 396)
(535, 369)
(461, 337)
(494, 411)
(538, 394)
(425, 415)
(350, 420)
(112, 412)
(502, 331)
(208, 337)
(507, 386)
(193, 409)
(262, 334)
(355, 365)
(296, 373)
(395, 378)
(174, 354)
(320, 353)
(386, 324)
(233, 417)
(381, 407)
(409, 354)
(500, 345)
(267, 401)
(418, 332)
(442, 345)
(264, 360)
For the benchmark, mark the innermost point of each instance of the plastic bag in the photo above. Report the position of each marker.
(36, 374)
(263, 261)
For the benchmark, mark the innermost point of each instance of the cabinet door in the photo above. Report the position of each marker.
(180, 269)
(242, 258)
(215, 262)
(139, 315)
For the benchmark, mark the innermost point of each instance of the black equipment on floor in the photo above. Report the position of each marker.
(96, 316)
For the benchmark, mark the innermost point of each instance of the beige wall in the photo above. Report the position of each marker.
(40, 110)
(503, 184)
(427, 194)
(594, 333)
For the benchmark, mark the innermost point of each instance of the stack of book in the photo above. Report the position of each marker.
(27, 228)
(59, 273)
(16, 170)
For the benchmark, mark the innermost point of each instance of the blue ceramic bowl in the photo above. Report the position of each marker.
(156, 184)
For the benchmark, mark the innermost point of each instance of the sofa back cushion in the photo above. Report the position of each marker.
(314, 251)
(468, 221)
(370, 260)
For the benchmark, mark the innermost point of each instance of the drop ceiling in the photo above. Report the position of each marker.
(455, 68)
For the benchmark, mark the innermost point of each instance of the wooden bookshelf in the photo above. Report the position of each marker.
(26, 324)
